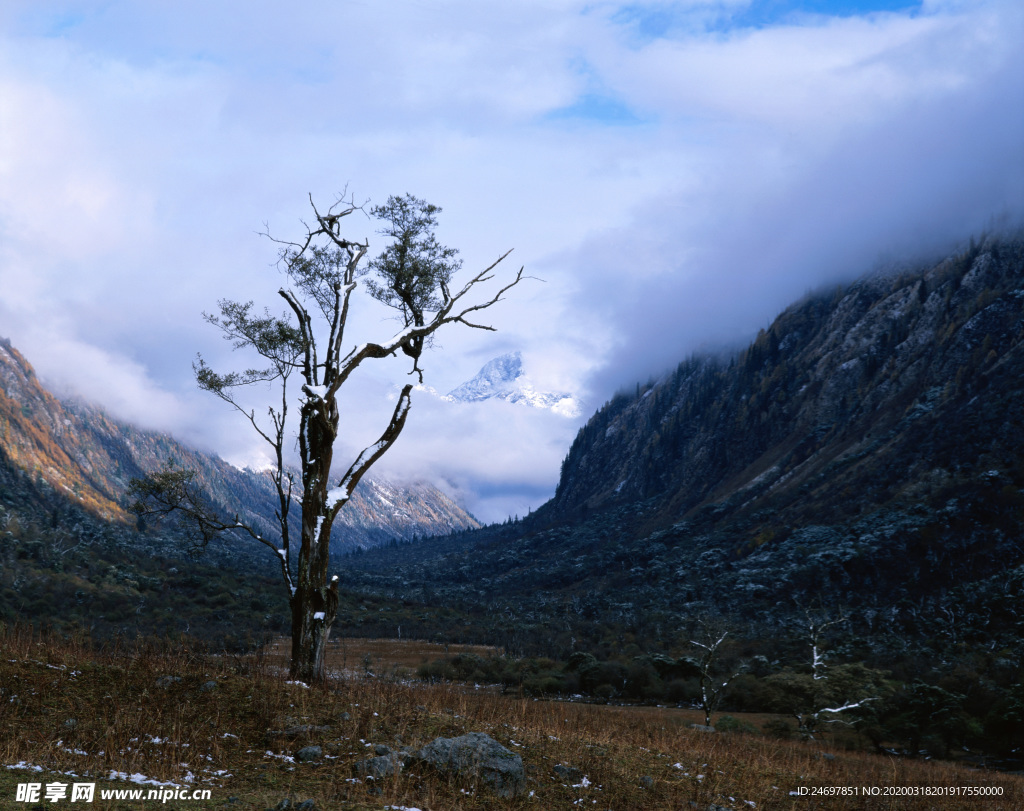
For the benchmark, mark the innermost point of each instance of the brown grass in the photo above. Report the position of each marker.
(377, 655)
(633, 758)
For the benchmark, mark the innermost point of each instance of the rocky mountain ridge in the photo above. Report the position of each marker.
(841, 376)
(80, 451)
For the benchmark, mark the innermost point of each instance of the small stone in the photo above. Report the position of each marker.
(166, 681)
(567, 773)
(208, 686)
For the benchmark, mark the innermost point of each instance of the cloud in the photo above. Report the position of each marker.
(795, 194)
(675, 173)
(498, 458)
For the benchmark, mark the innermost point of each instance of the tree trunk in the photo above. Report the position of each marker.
(314, 603)
(313, 615)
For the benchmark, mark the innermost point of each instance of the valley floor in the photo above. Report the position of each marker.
(232, 724)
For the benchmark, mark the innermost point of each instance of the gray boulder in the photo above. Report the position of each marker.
(309, 754)
(380, 766)
(476, 757)
(298, 731)
(289, 805)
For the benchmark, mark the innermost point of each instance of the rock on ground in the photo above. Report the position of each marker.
(476, 756)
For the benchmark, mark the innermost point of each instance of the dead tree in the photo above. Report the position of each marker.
(714, 679)
(826, 691)
(413, 275)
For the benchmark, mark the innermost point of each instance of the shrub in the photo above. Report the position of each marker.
(747, 693)
(778, 728)
(726, 723)
(542, 685)
(604, 692)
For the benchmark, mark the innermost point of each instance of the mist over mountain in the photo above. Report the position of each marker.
(81, 452)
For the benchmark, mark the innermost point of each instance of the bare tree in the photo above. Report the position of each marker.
(413, 276)
(714, 678)
(827, 690)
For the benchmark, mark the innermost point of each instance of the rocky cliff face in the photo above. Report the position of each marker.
(81, 452)
(892, 386)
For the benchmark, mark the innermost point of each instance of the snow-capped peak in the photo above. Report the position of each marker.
(503, 378)
(497, 377)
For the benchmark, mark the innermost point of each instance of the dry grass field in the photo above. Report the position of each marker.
(356, 656)
(69, 714)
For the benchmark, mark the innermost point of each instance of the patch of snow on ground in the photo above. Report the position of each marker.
(139, 779)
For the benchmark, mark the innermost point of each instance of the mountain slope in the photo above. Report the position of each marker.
(80, 451)
(840, 386)
(864, 455)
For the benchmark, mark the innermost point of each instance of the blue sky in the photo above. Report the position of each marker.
(652, 21)
(675, 172)
(767, 13)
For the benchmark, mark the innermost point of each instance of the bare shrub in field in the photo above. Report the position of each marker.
(235, 725)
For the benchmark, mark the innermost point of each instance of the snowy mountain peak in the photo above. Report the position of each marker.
(496, 377)
(503, 378)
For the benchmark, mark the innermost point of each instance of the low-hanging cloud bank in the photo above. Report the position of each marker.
(777, 213)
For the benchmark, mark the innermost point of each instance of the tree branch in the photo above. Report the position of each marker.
(173, 491)
(339, 495)
(412, 333)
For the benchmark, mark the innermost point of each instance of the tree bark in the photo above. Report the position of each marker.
(313, 615)
(315, 601)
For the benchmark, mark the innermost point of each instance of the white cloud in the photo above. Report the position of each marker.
(673, 176)
(500, 458)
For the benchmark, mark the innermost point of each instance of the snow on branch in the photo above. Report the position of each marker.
(845, 707)
(339, 495)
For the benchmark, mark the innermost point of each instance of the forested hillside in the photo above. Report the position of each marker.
(64, 568)
(848, 399)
